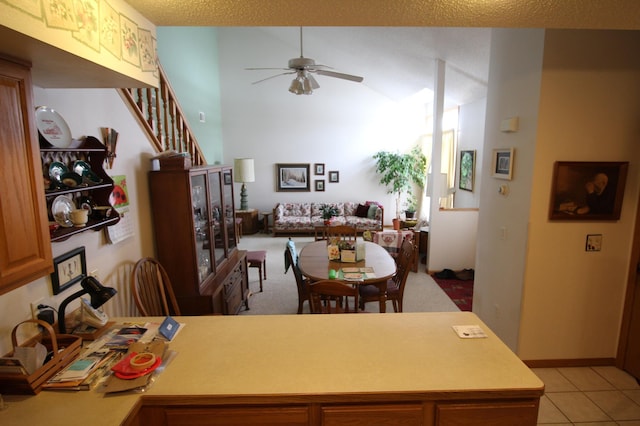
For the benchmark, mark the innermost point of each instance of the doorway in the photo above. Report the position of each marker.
(629, 347)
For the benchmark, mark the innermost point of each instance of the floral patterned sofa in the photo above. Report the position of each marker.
(291, 218)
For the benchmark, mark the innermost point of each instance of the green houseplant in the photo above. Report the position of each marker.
(399, 172)
(412, 205)
(328, 212)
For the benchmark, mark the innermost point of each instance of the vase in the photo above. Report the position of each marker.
(396, 224)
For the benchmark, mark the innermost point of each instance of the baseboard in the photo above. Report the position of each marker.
(581, 362)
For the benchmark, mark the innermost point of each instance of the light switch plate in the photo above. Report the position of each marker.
(594, 242)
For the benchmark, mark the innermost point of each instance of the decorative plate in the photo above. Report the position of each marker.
(70, 179)
(52, 127)
(61, 210)
(56, 170)
(84, 170)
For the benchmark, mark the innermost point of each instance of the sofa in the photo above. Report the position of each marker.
(291, 218)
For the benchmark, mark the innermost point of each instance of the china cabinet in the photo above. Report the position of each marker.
(25, 250)
(194, 225)
(92, 190)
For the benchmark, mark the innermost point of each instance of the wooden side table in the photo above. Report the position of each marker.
(265, 222)
(249, 221)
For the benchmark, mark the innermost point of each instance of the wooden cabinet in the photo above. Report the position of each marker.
(249, 221)
(410, 413)
(25, 249)
(92, 192)
(194, 226)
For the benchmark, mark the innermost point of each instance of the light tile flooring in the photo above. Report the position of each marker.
(599, 396)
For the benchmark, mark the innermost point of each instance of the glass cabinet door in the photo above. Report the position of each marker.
(217, 217)
(230, 220)
(201, 230)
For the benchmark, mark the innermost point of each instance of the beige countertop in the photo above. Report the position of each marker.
(298, 355)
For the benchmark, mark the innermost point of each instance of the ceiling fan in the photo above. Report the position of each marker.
(305, 83)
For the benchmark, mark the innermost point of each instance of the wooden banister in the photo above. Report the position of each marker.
(159, 114)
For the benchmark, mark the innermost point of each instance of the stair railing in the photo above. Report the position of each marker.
(159, 113)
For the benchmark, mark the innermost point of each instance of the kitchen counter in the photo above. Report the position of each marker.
(305, 361)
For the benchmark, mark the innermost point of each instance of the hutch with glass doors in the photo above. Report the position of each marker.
(194, 225)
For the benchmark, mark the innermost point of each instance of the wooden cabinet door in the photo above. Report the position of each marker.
(238, 416)
(25, 248)
(375, 415)
(488, 414)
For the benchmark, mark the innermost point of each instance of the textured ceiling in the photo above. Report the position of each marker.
(594, 14)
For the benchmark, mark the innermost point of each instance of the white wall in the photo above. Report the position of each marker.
(452, 240)
(85, 111)
(471, 137)
(514, 85)
(590, 98)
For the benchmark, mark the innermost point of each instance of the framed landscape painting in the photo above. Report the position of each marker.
(467, 169)
(587, 190)
(293, 177)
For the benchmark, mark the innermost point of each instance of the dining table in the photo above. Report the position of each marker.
(314, 263)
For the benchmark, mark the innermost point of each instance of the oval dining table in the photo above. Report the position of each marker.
(314, 263)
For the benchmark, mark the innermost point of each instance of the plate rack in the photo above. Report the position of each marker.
(93, 152)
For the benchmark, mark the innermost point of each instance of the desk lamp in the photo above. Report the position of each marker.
(99, 295)
(243, 173)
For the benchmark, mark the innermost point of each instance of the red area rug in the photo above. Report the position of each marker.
(459, 291)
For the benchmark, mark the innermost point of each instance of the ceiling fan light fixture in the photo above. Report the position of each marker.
(314, 83)
(296, 87)
(303, 84)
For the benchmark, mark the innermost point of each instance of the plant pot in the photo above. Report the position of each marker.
(396, 224)
(409, 215)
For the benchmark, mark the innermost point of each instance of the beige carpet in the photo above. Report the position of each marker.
(280, 295)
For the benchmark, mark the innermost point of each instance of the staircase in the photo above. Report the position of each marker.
(160, 115)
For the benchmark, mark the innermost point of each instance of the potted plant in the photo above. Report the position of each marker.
(412, 205)
(328, 212)
(400, 171)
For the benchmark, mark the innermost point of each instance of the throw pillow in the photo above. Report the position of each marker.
(371, 214)
(362, 210)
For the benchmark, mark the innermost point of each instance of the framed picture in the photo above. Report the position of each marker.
(319, 184)
(293, 177)
(467, 170)
(319, 169)
(502, 164)
(334, 176)
(587, 190)
(68, 269)
(227, 178)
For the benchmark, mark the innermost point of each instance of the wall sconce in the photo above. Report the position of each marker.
(99, 295)
(243, 172)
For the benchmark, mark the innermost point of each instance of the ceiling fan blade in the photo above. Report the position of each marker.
(273, 76)
(257, 69)
(349, 77)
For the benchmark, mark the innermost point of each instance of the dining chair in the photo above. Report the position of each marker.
(332, 297)
(151, 288)
(341, 232)
(301, 282)
(395, 284)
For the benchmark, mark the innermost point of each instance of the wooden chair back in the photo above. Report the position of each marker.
(403, 267)
(301, 282)
(395, 284)
(151, 288)
(341, 232)
(333, 297)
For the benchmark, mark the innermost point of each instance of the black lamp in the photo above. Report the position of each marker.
(99, 295)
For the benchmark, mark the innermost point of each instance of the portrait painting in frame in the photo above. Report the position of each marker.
(587, 190)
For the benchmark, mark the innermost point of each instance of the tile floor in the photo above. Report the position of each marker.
(584, 396)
